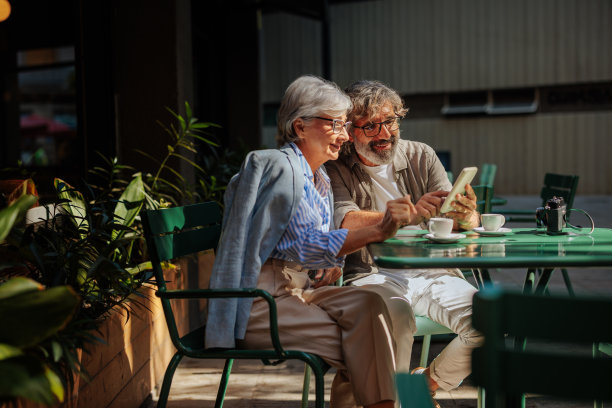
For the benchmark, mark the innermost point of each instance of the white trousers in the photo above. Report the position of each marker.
(444, 296)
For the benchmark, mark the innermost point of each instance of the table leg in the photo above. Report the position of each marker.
(529, 280)
(543, 281)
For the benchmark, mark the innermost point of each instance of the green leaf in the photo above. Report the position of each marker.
(210, 142)
(29, 378)
(55, 384)
(32, 316)
(75, 206)
(188, 109)
(129, 204)
(17, 286)
(8, 351)
(203, 125)
(15, 212)
(56, 348)
(194, 164)
(145, 266)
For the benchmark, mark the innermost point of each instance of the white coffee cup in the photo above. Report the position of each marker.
(440, 227)
(492, 222)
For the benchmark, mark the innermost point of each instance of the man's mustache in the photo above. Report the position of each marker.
(392, 140)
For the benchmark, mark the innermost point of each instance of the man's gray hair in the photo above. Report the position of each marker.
(305, 97)
(369, 96)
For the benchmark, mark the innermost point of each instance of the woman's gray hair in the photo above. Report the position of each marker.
(370, 96)
(305, 97)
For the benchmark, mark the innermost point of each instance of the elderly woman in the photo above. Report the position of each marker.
(277, 228)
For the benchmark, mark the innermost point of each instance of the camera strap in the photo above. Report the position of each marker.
(579, 227)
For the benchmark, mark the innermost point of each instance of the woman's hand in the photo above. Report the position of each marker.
(325, 277)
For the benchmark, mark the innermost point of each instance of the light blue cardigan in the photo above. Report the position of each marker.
(259, 203)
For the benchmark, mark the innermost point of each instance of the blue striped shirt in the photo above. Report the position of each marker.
(308, 239)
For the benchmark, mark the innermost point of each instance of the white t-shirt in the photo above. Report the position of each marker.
(385, 186)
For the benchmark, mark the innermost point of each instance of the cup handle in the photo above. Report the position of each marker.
(429, 227)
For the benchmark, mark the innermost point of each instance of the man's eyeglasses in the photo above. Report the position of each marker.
(373, 129)
(337, 124)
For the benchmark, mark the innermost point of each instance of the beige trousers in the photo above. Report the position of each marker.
(349, 327)
(444, 296)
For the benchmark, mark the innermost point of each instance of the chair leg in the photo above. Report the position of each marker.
(597, 353)
(306, 386)
(223, 384)
(480, 402)
(319, 386)
(425, 350)
(165, 389)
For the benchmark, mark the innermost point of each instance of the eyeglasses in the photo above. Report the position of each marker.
(373, 129)
(337, 124)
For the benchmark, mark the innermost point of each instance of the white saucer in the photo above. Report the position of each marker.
(445, 240)
(498, 233)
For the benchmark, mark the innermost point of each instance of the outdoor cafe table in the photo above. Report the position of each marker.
(521, 248)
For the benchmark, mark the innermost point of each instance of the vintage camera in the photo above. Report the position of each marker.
(552, 215)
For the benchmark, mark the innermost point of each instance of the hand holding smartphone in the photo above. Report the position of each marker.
(465, 177)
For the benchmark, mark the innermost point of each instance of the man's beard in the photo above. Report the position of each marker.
(378, 157)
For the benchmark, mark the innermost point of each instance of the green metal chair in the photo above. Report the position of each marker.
(484, 195)
(413, 391)
(554, 185)
(550, 363)
(487, 178)
(175, 232)
(487, 174)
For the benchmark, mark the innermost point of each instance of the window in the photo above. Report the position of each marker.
(47, 107)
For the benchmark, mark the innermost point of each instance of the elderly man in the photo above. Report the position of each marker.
(377, 166)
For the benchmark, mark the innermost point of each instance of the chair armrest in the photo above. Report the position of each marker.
(232, 293)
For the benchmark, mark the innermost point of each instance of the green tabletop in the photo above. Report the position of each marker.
(522, 247)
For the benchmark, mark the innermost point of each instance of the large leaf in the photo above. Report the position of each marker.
(30, 316)
(27, 377)
(21, 188)
(8, 351)
(129, 204)
(18, 286)
(75, 205)
(10, 215)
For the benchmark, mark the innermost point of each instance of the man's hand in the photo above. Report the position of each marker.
(325, 277)
(464, 210)
(429, 204)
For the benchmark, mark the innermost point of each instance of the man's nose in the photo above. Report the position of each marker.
(384, 133)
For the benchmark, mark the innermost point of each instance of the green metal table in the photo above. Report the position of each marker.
(522, 248)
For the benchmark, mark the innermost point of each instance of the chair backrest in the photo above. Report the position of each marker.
(561, 186)
(487, 174)
(484, 195)
(179, 231)
(551, 362)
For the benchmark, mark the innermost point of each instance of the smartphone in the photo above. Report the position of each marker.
(465, 177)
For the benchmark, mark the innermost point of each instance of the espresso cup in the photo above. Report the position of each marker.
(440, 227)
(492, 222)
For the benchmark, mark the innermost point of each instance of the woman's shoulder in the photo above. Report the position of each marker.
(283, 158)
